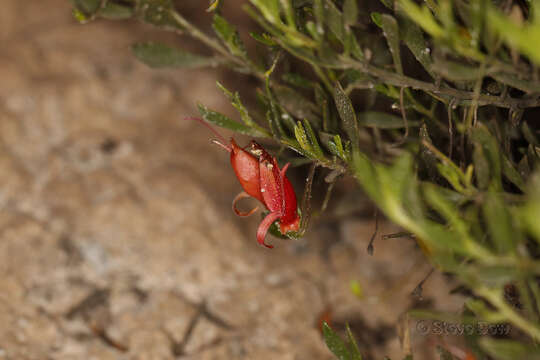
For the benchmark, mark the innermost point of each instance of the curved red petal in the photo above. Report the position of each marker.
(240, 213)
(264, 226)
(289, 218)
(271, 188)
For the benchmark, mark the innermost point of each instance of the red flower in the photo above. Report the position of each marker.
(261, 178)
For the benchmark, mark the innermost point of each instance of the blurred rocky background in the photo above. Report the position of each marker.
(117, 239)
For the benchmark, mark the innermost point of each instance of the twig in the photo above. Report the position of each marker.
(370, 245)
(464, 97)
(417, 292)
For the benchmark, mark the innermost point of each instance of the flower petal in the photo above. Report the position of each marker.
(271, 188)
(264, 226)
(239, 197)
(246, 168)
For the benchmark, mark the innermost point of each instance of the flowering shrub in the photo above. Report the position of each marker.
(445, 141)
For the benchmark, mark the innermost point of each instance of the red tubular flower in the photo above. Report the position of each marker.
(261, 178)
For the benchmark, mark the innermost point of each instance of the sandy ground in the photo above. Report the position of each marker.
(117, 240)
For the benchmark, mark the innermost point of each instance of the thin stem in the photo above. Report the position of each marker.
(215, 45)
(464, 97)
(498, 301)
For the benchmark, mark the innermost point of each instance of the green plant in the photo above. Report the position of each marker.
(458, 168)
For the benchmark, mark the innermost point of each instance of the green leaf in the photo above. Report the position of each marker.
(495, 275)
(382, 120)
(334, 19)
(113, 11)
(527, 85)
(158, 13)
(158, 55)
(355, 351)
(450, 212)
(391, 32)
(531, 212)
(350, 12)
(511, 173)
(348, 117)
(454, 71)
(423, 17)
(298, 80)
(413, 37)
(223, 121)
(295, 103)
(229, 35)
(376, 17)
(269, 9)
(263, 38)
(334, 144)
(86, 7)
(509, 349)
(335, 344)
(486, 157)
(313, 140)
(481, 167)
(525, 37)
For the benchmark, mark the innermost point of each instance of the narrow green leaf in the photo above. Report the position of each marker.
(509, 349)
(423, 17)
(481, 167)
(391, 32)
(316, 148)
(414, 39)
(487, 145)
(269, 9)
(355, 351)
(450, 212)
(527, 85)
(223, 121)
(301, 136)
(382, 120)
(158, 13)
(348, 117)
(350, 12)
(298, 80)
(454, 71)
(86, 7)
(333, 19)
(531, 211)
(511, 173)
(499, 223)
(335, 344)
(318, 9)
(114, 11)
(228, 34)
(295, 103)
(263, 38)
(158, 55)
(525, 36)
(376, 17)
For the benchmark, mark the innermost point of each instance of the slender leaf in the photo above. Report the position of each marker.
(223, 121)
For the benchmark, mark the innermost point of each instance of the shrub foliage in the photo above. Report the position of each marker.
(442, 135)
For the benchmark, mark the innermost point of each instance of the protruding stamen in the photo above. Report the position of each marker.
(220, 137)
(220, 144)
